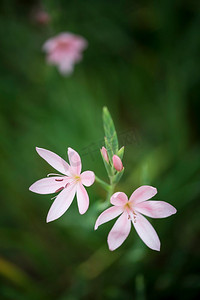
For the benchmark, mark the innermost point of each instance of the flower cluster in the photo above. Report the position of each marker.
(71, 182)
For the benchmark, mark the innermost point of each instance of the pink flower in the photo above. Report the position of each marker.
(117, 163)
(64, 50)
(40, 16)
(105, 154)
(69, 184)
(131, 211)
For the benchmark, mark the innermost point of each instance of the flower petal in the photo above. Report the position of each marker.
(49, 45)
(146, 232)
(82, 199)
(65, 67)
(54, 160)
(48, 185)
(143, 193)
(75, 161)
(155, 209)
(87, 178)
(119, 199)
(119, 232)
(109, 214)
(61, 203)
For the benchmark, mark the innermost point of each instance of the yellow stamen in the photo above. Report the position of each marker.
(128, 207)
(77, 178)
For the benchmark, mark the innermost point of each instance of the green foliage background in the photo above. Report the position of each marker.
(142, 63)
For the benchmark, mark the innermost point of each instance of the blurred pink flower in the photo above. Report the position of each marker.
(117, 163)
(105, 154)
(42, 17)
(69, 184)
(130, 211)
(39, 15)
(64, 50)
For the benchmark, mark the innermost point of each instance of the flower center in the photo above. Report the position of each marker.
(77, 178)
(63, 45)
(131, 213)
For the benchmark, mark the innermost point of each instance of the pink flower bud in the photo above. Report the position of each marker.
(117, 163)
(105, 154)
(42, 17)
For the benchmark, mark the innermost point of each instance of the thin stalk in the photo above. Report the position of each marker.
(111, 190)
(103, 184)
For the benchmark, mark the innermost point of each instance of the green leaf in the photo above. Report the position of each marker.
(111, 140)
(118, 176)
(107, 166)
(109, 149)
(120, 153)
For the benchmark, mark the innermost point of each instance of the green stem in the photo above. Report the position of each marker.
(104, 185)
(111, 190)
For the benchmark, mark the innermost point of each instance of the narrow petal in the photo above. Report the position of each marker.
(82, 199)
(107, 215)
(119, 199)
(75, 161)
(48, 185)
(146, 232)
(54, 160)
(87, 178)
(155, 209)
(143, 193)
(61, 203)
(119, 232)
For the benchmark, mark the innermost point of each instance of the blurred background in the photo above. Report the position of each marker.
(143, 63)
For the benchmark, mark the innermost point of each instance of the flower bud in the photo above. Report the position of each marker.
(105, 154)
(117, 163)
(40, 16)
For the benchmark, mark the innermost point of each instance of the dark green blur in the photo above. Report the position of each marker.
(143, 63)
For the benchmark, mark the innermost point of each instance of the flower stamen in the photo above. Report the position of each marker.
(77, 178)
(60, 189)
(131, 213)
(54, 174)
